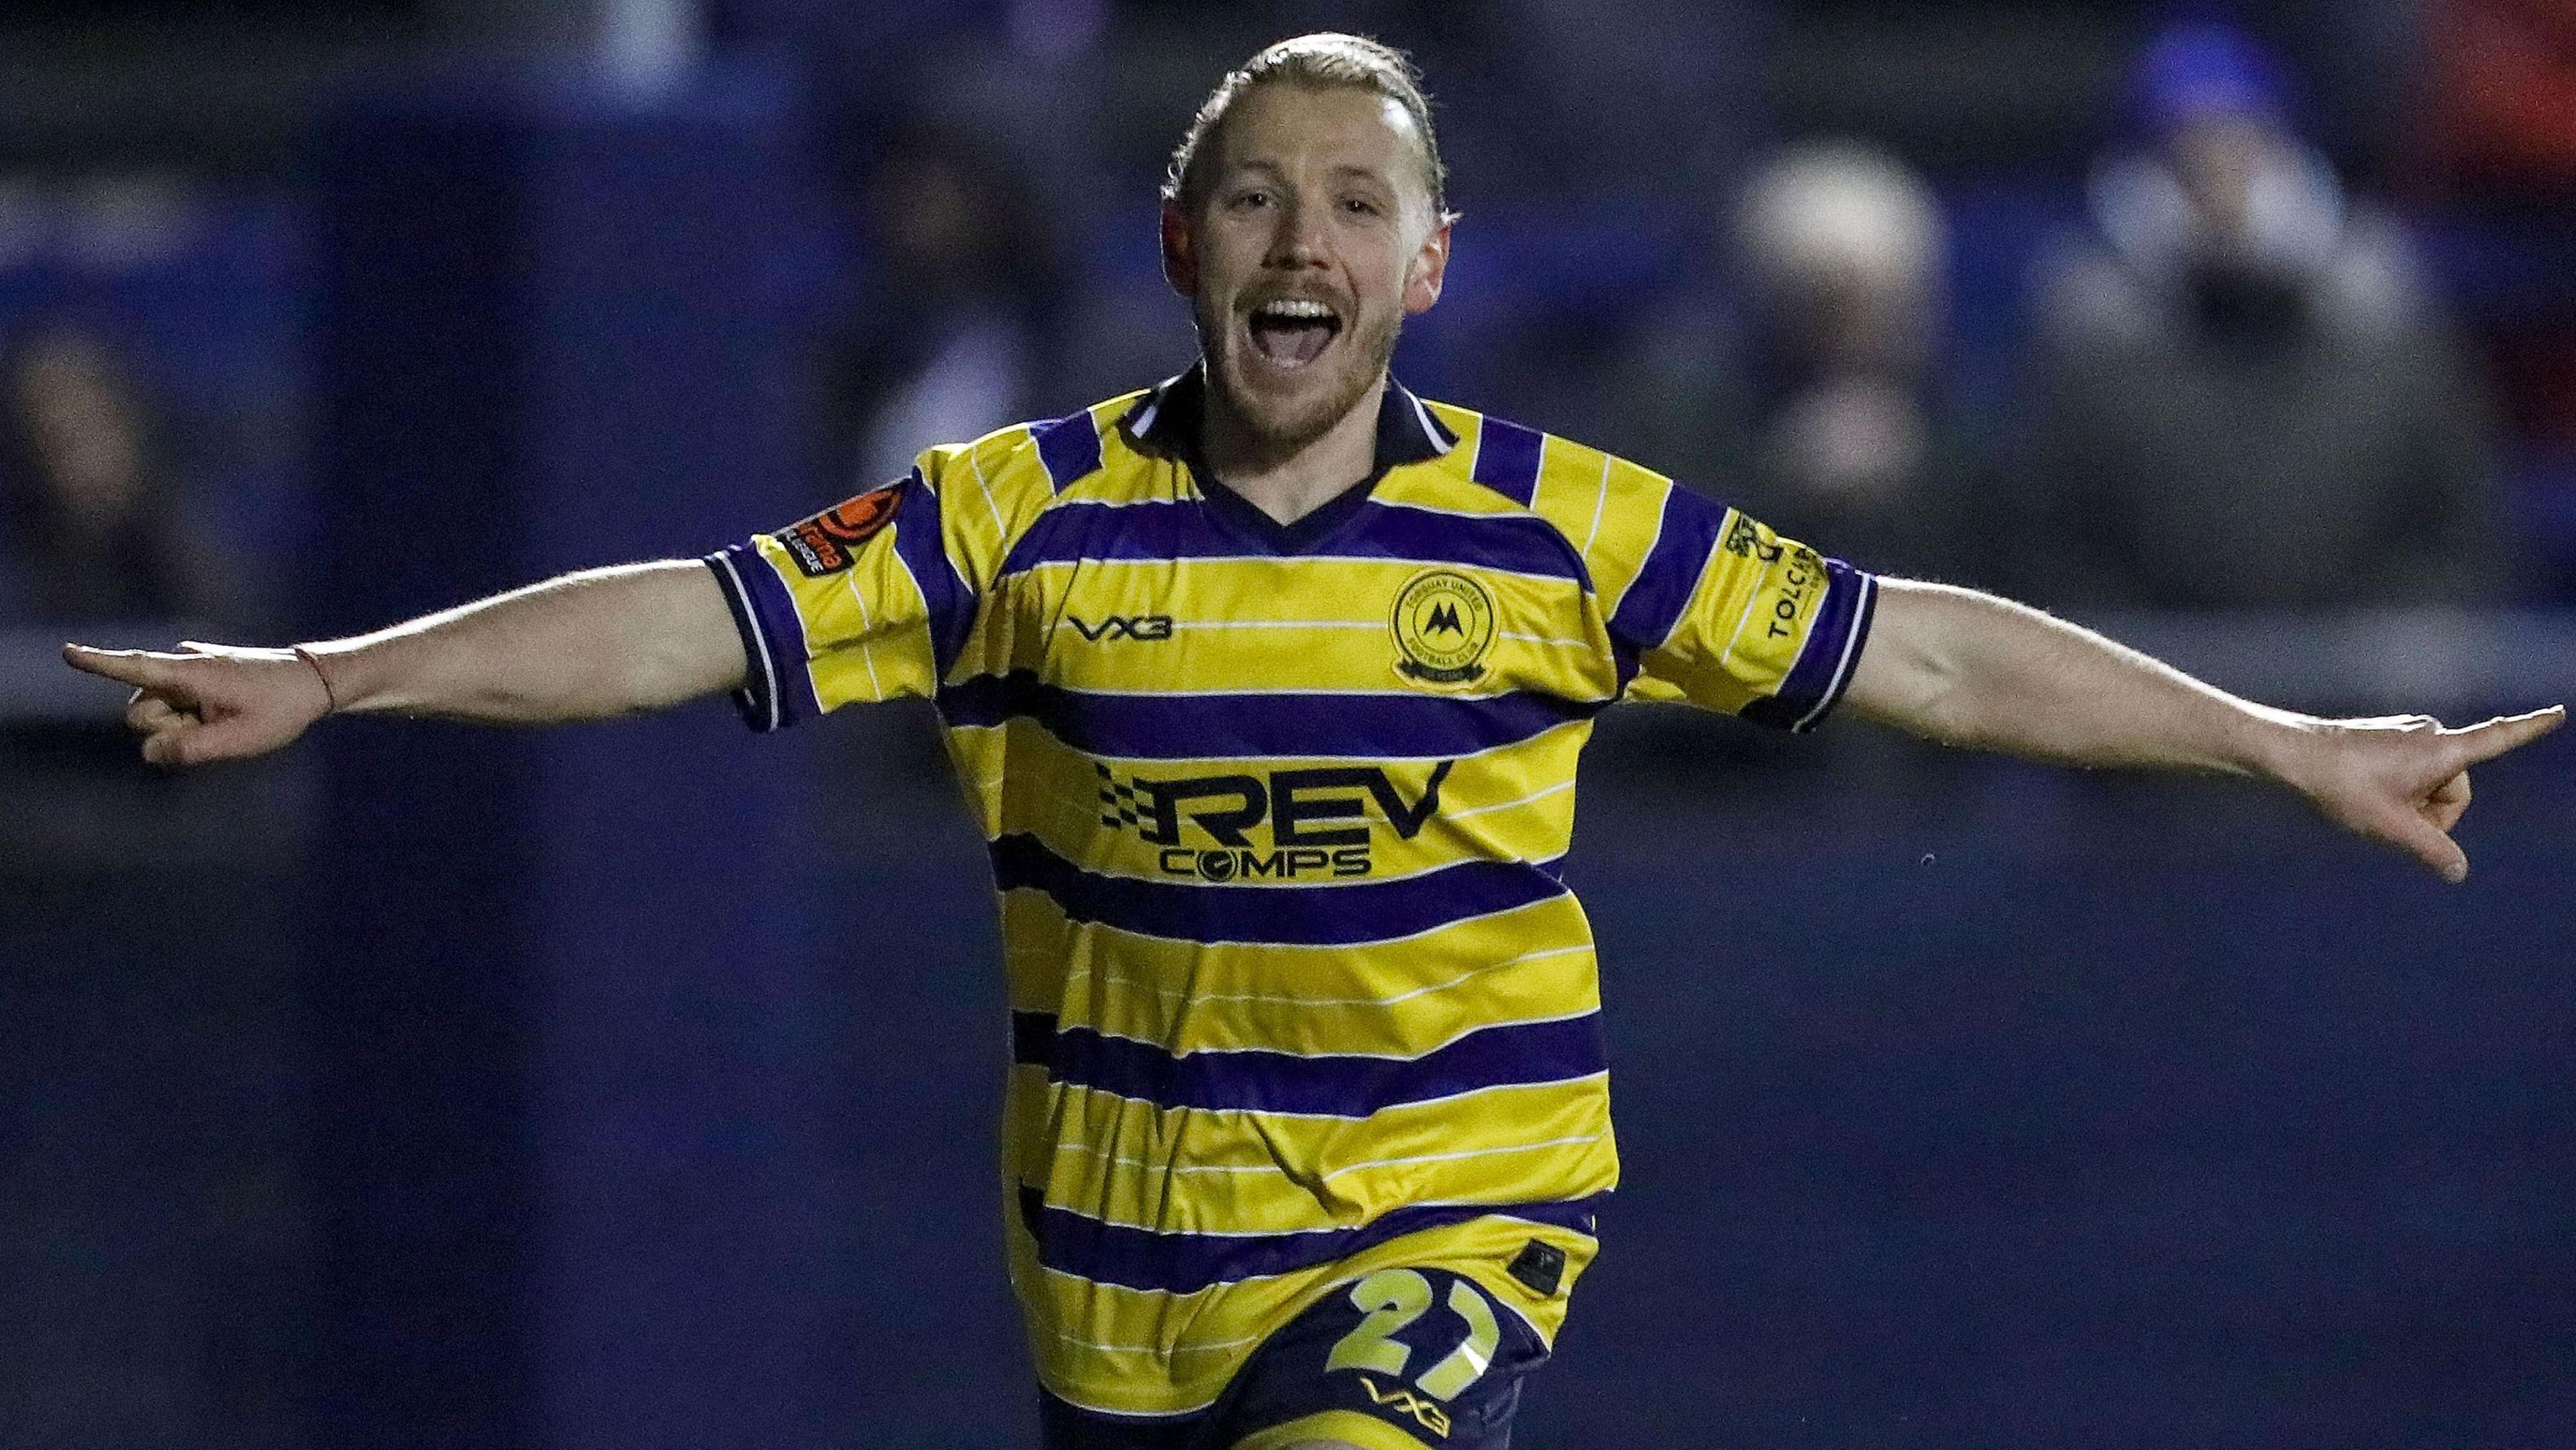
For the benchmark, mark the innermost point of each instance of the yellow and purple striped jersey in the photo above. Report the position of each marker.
(1278, 815)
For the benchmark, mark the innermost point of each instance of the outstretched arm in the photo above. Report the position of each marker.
(1970, 669)
(583, 646)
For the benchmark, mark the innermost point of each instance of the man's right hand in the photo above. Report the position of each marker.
(211, 702)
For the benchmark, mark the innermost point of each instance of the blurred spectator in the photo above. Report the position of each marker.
(961, 335)
(1820, 411)
(2238, 393)
(1845, 249)
(91, 528)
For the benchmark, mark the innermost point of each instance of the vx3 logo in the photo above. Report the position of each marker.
(1405, 1402)
(1124, 626)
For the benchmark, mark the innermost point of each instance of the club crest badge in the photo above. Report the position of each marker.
(1443, 626)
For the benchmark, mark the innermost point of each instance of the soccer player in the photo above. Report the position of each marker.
(1268, 685)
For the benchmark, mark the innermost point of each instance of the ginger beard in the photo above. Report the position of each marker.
(1308, 248)
(1288, 379)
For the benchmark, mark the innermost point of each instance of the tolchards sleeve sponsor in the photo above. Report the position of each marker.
(1736, 618)
(859, 602)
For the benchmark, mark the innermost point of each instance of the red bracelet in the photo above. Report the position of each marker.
(306, 655)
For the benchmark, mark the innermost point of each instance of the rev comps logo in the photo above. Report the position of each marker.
(1443, 624)
(1319, 821)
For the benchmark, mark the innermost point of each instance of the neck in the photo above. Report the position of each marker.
(1288, 481)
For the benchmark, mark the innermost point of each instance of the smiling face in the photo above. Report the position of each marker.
(1312, 238)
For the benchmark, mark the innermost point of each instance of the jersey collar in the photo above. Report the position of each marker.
(1167, 419)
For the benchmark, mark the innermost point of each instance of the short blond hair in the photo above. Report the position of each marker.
(1325, 60)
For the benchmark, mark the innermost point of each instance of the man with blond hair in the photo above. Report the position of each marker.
(1267, 685)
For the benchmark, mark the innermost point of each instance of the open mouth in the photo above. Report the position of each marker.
(1290, 333)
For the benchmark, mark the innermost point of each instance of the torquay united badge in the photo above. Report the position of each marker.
(1443, 625)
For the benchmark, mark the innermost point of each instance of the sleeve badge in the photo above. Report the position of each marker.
(828, 543)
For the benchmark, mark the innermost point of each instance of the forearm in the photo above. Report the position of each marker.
(1974, 670)
(583, 646)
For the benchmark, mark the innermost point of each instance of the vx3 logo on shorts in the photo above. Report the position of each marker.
(1124, 626)
(1405, 1402)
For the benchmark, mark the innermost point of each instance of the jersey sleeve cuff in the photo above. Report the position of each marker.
(1824, 667)
(777, 691)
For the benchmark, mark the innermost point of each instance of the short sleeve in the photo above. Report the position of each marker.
(859, 602)
(1728, 615)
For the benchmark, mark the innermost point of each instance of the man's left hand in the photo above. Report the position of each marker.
(2404, 779)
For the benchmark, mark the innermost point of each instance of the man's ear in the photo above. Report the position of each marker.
(1180, 252)
(1429, 269)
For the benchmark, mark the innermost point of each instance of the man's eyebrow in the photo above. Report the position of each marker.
(1273, 168)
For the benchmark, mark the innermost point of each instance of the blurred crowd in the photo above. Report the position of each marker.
(2232, 377)
(2231, 382)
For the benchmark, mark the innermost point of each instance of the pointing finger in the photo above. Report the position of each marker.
(2485, 742)
(131, 666)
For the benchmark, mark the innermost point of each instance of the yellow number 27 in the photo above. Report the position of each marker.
(1394, 1298)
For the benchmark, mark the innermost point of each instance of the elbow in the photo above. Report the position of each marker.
(1918, 673)
(1915, 687)
(1938, 706)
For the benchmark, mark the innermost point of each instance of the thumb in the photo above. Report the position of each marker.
(2427, 843)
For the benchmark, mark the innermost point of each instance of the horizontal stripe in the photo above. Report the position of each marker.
(1298, 1010)
(1352, 913)
(1116, 982)
(920, 541)
(1532, 798)
(1825, 660)
(1671, 572)
(1185, 1263)
(1507, 459)
(1196, 1346)
(1249, 1080)
(1512, 543)
(1087, 531)
(1370, 625)
(1069, 447)
(1271, 1169)
(1067, 1138)
(1393, 725)
(1348, 914)
(1381, 974)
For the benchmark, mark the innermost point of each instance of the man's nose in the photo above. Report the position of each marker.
(1298, 240)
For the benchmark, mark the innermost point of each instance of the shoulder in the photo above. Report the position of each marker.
(1594, 503)
(994, 488)
(1045, 457)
